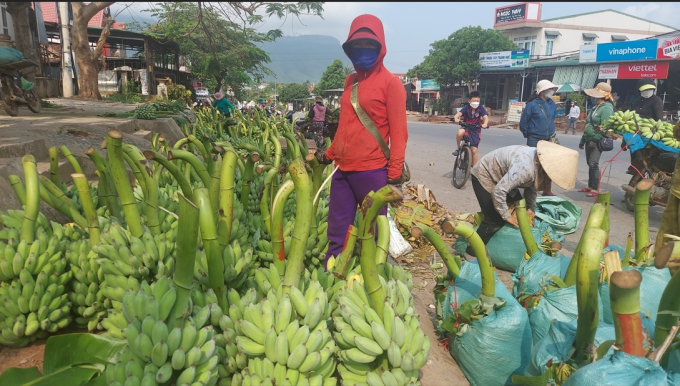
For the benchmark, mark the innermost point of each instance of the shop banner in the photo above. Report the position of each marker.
(588, 53)
(628, 50)
(515, 111)
(634, 70)
(668, 47)
(427, 85)
(517, 13)
(504, 59)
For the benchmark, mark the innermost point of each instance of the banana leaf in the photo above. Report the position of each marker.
(70, 359)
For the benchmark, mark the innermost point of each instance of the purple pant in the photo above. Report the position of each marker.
(348, 189)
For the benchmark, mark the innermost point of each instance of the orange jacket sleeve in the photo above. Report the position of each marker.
(396, 117)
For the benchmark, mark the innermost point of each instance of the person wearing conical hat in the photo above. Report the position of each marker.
(498, 176)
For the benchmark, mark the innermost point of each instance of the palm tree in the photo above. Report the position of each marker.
(348, 69)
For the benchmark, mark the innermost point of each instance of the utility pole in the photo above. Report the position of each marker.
(66, 69)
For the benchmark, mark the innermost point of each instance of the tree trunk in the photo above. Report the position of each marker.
(471, 85)
(22, 37)
(219, 80)
(87, 59)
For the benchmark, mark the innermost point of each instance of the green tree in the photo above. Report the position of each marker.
(333, 77)
(289, 92)
(219, 39)
(456, 59)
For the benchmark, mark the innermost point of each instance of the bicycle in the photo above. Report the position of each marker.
(463, 163)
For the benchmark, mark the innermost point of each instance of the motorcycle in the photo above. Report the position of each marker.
(12, 95)
(657, 165)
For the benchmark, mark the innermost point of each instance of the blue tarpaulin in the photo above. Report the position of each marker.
(638, 142)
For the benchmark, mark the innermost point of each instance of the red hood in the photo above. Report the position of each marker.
(375, 25)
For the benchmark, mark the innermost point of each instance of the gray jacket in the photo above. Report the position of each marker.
(505, 169)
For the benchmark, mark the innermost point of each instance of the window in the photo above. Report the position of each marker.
(5, 26)
(549, 47)
(589, 38)
(526, 43)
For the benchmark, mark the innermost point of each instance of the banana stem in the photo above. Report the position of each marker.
(670, 302)
(370, 207)
(303, 218)
(212, 248)
(383, 243)
(669, 220)
(151, 191)
(199, 145)
(114, 146)
(317, 180)
(641, 202)
(248, 177)
(83, 188)
(226, 201)
(342, 261)
(485, 267)
(187, 247)
(71, 159)
(215, 172)
(278, 207)
(54, 165)
(603, 197)
(32, 198)
(451, 264)
(293, 148)
(626, 255)
(18, 187)
(277, 150)
(624, 294)
(595, 219)
(525, 227)
(193, 162)
(174, 171)
(105, 182)
(54, 197)
(587, 273)
(264, 202)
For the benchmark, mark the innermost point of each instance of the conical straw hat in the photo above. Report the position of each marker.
(560, 163)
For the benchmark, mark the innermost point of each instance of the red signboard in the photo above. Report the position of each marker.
(517, 13)
(668, 47)
(634, 70)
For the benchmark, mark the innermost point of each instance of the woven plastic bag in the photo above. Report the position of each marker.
(563, 215)
(506, 248)
(617, 368)
(496, 346)
(653, 284)
(558, 342)
(534, 273)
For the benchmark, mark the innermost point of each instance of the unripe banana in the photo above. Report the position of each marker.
(368, 346)
(178, 359)
(296, 357)
(356, 355)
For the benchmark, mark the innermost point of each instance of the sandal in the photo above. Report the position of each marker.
(585, 190)
(592, 193)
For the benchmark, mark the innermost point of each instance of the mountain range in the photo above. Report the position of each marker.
(296, 59)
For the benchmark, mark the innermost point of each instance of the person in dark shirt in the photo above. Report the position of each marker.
(475, 114)
(649, 105)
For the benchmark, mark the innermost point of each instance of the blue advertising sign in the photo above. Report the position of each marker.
(504, 59)
(628, 50)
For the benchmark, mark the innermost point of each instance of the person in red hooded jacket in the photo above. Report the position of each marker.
(362, 165)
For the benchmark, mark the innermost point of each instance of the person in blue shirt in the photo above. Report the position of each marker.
(223, 105)
(538, 118)
(475, 114)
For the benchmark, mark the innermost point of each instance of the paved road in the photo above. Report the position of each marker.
(429, 156)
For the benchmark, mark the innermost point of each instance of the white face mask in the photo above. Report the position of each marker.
(647, 93)
(549, 93)
(474, 105)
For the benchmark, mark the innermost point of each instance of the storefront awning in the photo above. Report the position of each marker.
(584, 76)
(619, 37)
(590, 35)
(550, 32)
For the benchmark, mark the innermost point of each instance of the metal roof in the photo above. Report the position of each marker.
(590, 35)
(552, 32)
(619, 37)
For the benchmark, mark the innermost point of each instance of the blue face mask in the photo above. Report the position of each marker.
(363, 58)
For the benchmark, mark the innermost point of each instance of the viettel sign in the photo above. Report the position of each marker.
(668, 47)
(635, 70)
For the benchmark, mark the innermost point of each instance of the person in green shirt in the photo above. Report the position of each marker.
(603, 108)
(222, 104)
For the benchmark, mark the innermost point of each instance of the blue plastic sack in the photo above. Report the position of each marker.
(534, 273)
(653, 284)
(10, 55)
(617, 368)
(558, 342)
(502, 338)
(563, 215)
(506, 248)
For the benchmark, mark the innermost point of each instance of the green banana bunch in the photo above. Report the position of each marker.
(623, 121)
(366, 338)
(31, 307)
(167, 200)
(187, 354)
(285, 337)
(12, 219)
(237, 265)
(86, 293)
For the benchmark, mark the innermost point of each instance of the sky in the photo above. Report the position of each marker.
(411, 27)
